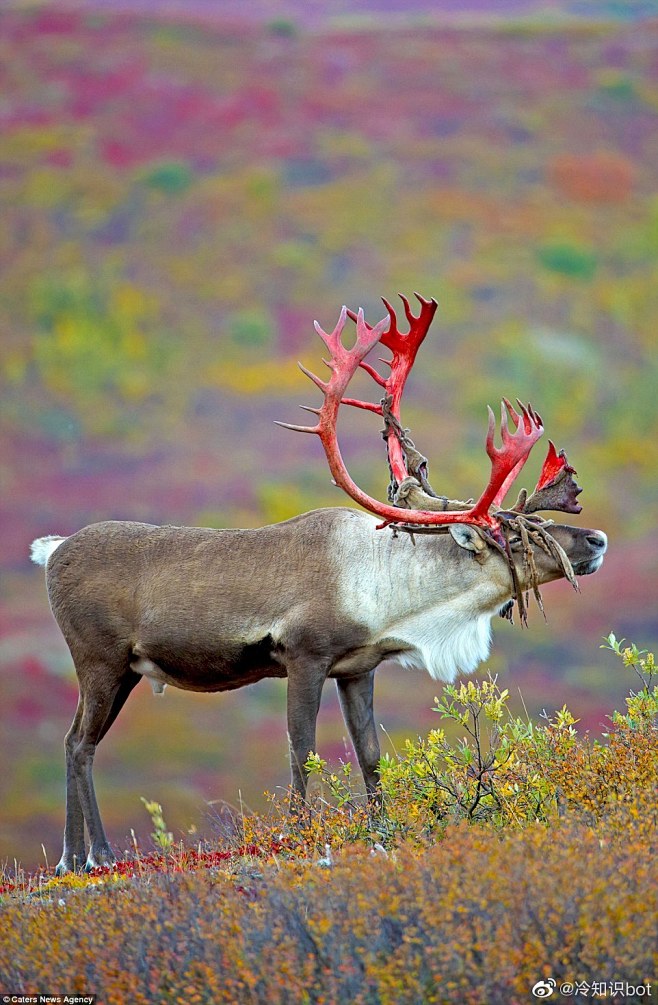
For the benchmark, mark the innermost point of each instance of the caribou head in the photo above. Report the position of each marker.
(413, 506)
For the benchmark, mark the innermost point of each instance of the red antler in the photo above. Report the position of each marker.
(507, 463)
(343, 363)
(556, 489)
(404, 349)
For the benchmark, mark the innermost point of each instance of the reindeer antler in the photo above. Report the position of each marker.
(506, 461)
(404, 349)
(556, 489)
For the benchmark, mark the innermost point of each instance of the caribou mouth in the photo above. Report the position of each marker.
(588, 567)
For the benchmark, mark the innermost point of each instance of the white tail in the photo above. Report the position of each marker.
(43, 547)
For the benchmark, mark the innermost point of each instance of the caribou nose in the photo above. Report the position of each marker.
(598, 541)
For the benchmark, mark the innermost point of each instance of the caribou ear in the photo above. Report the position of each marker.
(468, 537)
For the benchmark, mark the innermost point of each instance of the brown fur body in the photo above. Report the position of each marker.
(322, 595)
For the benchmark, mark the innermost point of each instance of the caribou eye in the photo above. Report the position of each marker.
(514, 540)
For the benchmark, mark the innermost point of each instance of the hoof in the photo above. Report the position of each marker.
(69, 863)
(100, 858)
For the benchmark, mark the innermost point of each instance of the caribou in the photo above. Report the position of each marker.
(328, 594)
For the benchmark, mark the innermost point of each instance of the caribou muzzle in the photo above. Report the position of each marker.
(597, 543)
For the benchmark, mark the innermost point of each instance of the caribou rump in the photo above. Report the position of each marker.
(330, 593)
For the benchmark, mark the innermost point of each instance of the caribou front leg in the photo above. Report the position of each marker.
(305, 682)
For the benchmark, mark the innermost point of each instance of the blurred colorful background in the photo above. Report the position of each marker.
(184, 188)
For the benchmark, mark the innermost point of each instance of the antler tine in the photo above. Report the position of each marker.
(556, 488)
(332, 339)
(312, 376)
(295, 428)
(404, 349)
(404, 346)
(418, 324)
(377, 377)
(507, 461)
(343, 363)
(367, 405)
(393, 326)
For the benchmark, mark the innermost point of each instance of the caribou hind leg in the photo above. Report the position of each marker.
(356, 702)
(74, 853)
(102, 696)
